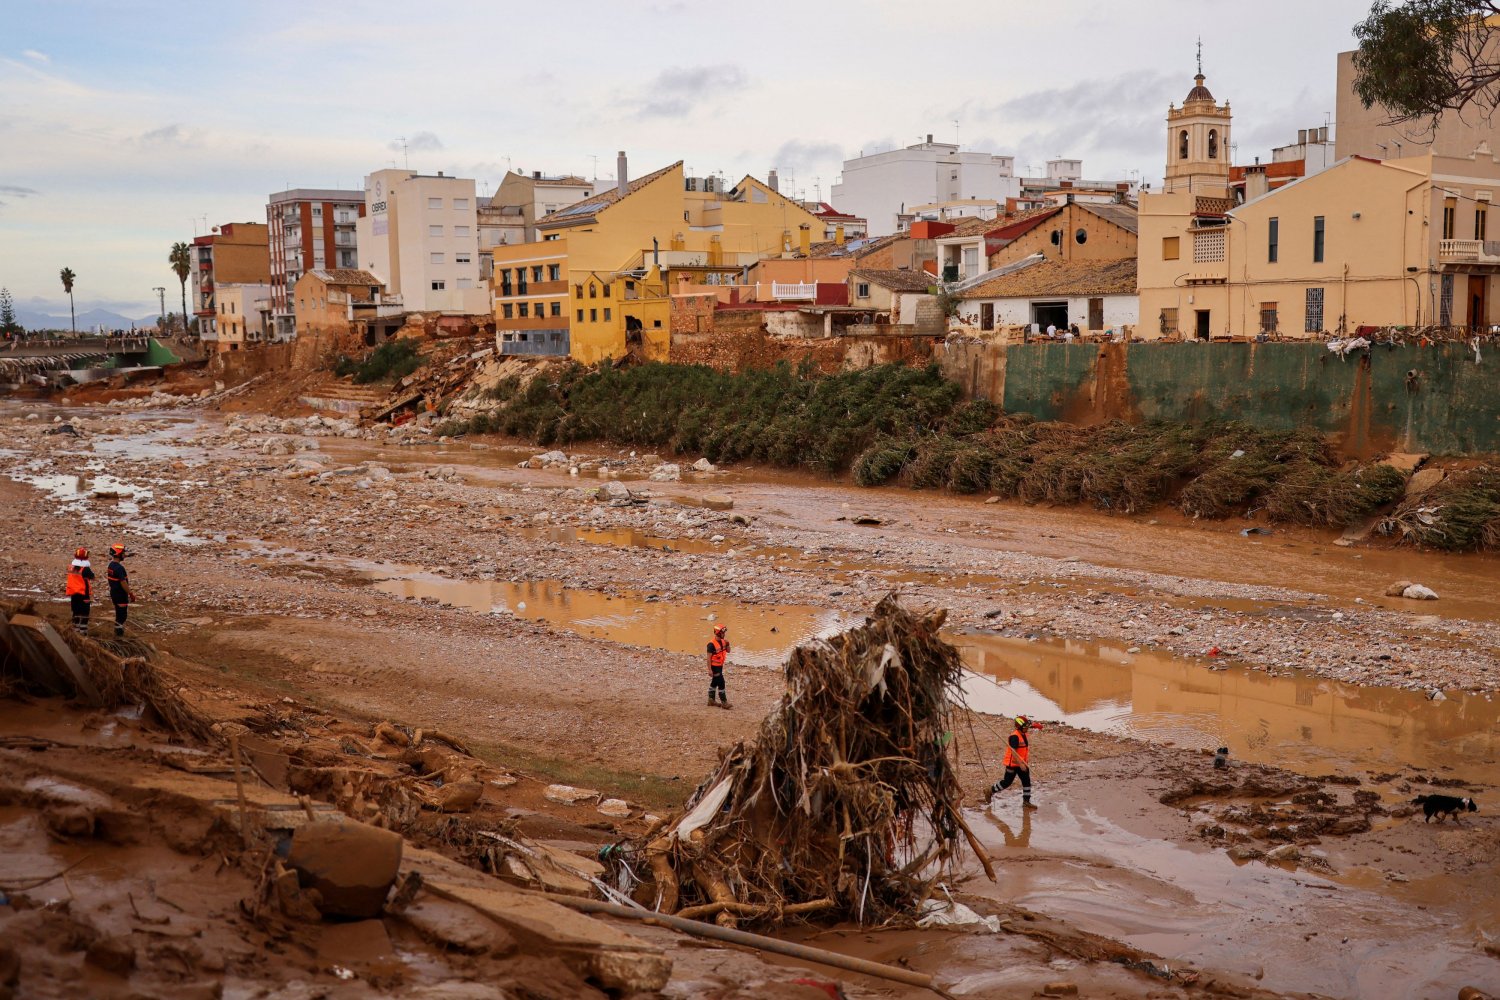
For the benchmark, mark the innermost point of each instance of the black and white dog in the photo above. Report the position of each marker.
(1443, 806)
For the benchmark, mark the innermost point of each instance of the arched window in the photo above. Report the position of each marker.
(1182, 145)
(1213, 144)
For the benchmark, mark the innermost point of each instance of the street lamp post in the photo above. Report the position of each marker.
(161, 301)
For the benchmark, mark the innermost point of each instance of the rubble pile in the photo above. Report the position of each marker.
(846, 805)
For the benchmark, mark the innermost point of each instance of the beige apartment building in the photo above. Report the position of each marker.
(1365, 243)
(419, 237)
(240, 313)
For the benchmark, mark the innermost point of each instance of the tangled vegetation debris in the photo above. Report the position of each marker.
(1461, 512)
(846, 805)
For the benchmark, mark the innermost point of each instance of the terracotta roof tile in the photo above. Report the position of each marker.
(1055, 277)
(896, 281)
(1123, 216)
(345, 276)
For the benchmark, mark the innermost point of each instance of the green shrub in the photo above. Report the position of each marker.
(883, 461)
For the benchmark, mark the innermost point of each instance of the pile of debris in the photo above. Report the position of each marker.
(846, 806)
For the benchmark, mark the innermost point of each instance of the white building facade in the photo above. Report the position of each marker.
(419, 236)
(882, 186)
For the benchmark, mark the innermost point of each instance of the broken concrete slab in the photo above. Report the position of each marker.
(1423, 480)
(1404, 461)
(352, 865)
(568, 795)
(456, 926)
(717, 501)
(63, 655)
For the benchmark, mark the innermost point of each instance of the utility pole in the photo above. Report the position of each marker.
(404, 158)
(161, 302)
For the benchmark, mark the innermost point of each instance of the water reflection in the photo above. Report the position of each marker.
(1307, 723)
(760, 635)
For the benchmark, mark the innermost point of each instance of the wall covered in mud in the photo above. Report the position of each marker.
(1436, 399)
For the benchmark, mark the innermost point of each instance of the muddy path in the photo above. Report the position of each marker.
(563, 633)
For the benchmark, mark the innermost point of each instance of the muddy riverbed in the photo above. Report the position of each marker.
(440, 582)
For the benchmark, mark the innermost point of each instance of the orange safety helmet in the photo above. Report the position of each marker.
(720, 629)
(117, 550)
(81, 554)
(1022, 722)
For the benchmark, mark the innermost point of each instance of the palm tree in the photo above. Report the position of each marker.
(182, 265)
(67, 280)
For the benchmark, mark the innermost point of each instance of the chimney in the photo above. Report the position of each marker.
(772, 181)
(1302, 137)
(440, 173)
(929, 138)
(805, 234)
(622, 174)
(536, 175)
(1323, 133)
(1257, 183)
(838, 234)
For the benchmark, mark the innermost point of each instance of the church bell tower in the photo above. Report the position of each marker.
(1198, 142)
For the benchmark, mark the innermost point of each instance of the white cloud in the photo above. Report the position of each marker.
(35, 56)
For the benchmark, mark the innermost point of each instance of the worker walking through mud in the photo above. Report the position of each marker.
(80, 590)
(718, 654)
(119, 586)
(1017, 762)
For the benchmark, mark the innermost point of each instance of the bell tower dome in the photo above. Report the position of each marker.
(1198, 143)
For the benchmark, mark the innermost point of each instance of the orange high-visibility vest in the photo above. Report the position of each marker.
(720, 653)
(1017, 757)
(78, 585)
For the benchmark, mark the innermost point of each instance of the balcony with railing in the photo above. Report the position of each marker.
(792, 291)
(1469, 252)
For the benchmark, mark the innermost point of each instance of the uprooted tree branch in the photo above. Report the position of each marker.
(845, 807)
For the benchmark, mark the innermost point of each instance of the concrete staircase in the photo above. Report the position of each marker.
(341, 395)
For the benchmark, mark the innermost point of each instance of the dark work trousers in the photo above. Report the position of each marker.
(122, 611)
(716, 682)
(1010, 775)
(80, 612)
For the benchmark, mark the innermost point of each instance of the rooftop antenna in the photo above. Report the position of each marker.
(955, 132)
(596, 166)
(818, 188)
(404, 158)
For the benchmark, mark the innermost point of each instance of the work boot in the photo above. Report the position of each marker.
(724, 704)
(711, 702)
(989, 796)
(1026, 802)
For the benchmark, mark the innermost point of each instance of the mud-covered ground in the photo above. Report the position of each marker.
(558, 631)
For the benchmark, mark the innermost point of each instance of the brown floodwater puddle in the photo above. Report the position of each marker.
(760, 635)
(1308, 724)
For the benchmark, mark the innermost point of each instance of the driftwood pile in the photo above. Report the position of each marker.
(846, 806)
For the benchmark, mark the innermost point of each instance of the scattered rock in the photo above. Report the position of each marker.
(1286, 852)
(865, 519)
(993, 500)
(717, 501)
(459, 796)
(1417, 592)
(704, 465)
(1060, 990)
(668, 472)
(615, 491)
(351, 865)
(1398, 588)
(568, 795)
(617, 808)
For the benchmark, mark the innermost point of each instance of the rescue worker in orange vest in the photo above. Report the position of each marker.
(81, 589)
(1017, 762)
(718, 653)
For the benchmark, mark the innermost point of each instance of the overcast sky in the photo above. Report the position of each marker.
(125, 125)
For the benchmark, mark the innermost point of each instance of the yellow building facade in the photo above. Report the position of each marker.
(1365, 243)
(606, 263)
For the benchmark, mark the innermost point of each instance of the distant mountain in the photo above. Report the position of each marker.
(88, 320)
